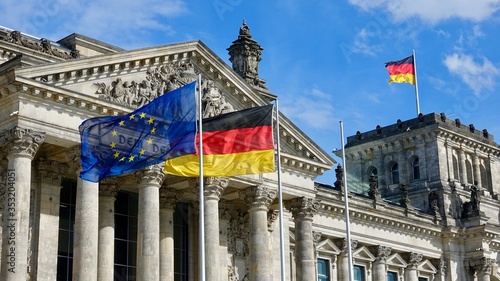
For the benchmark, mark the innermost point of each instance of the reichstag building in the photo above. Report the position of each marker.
(423, 193)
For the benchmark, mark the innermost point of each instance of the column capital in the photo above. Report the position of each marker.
(109, 187)
(21, 141)
(344, 245)
(213, 187)
(169, 197)
(152, 175)
(480, 265)
(413, 259)
(303, 208)
(51, 172)
(259, 197)
(381, 253)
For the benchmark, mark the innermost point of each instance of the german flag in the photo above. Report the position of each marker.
(401, 71)
(236, 143)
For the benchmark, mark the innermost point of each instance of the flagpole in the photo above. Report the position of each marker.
(346, 202)
(201, 204)
(280, 192)
(416, 81)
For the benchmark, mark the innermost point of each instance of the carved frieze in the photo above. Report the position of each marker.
(238, 234)
(40, 45)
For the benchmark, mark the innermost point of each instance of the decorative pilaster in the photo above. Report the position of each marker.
(258, 199)
(379, 265)
(303, 210)
(212, 190)
(21, 146)
(86, 234)
(106, 246)
(50, 174)
(462, 168)
(413, 259)
(148, 228)
(169, 198)
(226, 210)
(440, 265)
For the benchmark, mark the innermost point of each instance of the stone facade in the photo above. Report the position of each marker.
(423, 193)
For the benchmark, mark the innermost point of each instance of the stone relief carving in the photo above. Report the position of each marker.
(238, 235)
(160, 80)
(42, 45)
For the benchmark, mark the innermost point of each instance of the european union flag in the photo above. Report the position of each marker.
(162, 129)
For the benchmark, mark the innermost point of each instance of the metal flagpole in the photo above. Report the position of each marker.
(282, 239)
(202, 204)
(346, 202)
(416, 82)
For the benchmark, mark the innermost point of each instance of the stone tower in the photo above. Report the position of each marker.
(245, 55)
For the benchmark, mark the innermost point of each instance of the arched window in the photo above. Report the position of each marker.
(395, 173)
(415, 165)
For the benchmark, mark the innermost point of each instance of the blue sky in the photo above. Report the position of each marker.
(324, 59)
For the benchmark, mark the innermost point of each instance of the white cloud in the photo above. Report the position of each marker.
(113, 20)
(479, 76)
(433, 11)
(313, 108)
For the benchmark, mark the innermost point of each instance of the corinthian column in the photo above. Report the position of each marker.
(86, 224)
(303, 210)
(212, 192)
(148, 226)
(413, 259)
(20, 145)
(106, 245)
(379, 272)
(258, 199)
(168, 201)
(50, 174)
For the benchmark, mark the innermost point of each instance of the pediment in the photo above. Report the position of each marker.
(363, 254)
(426, 266)
(327, 246)
(396, 260)
(112, 85)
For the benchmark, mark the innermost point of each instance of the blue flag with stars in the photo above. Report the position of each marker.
(162, 129)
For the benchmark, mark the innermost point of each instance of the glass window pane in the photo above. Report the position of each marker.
(359, 273)
(392, 276)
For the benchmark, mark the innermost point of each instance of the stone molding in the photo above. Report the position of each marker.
(21, 141)
(51, 172)
(272, 216)
(226, 210)
(344, 244)
(258, 197)
(303, 208)
(74, 154)
(214, 187)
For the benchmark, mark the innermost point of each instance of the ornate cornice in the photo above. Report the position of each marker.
(303, 208)
(21, 141)
(258, 197)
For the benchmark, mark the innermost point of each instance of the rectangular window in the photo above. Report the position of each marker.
(359, 273)
(181, 242)
(66, 230)
(392, 276)
(423, 279)
(323, 270)
(126, 212)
